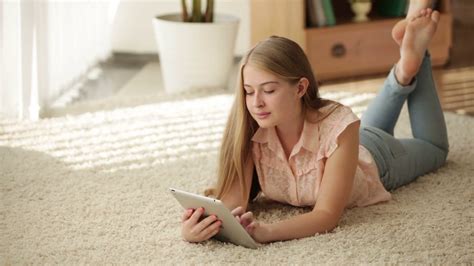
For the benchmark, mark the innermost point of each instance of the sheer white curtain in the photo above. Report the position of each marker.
(45, 45)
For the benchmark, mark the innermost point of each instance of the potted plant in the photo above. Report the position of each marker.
(361, 9)
(195, 46)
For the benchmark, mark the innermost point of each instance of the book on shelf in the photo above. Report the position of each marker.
(392, 8)
(315, 13)
(320, 13)
(329, 13)
(321, 17)
(311, 19)
(397, 8)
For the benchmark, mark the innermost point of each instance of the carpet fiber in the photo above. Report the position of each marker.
(92, 188)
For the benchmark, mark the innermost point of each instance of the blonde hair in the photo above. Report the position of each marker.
(283, 58)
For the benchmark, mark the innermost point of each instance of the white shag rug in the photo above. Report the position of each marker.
(92, 189)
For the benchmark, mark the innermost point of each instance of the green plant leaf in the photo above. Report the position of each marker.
(196, 11)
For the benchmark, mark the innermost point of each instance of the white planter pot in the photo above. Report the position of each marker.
(195, 55)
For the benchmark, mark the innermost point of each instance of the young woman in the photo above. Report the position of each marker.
(284, 140)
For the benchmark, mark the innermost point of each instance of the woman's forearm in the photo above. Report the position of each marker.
(234, 202)
(304, 225)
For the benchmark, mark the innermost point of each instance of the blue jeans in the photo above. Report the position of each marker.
(400, 161)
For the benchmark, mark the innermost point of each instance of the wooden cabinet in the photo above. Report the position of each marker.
(347, 49)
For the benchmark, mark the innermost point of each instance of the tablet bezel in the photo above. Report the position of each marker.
(231, 230)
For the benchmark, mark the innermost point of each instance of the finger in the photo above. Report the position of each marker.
(238, 211)
(211, 235)
(250, 228)
(187, 213)
(196, 215)
(246, 219)
(247, 215)
(211, 230)
(205, 223)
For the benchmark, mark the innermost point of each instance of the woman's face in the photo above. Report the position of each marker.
(270, 100)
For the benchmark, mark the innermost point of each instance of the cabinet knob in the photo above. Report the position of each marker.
(338, 50)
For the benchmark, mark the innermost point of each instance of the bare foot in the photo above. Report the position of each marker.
(413, 11)
(418, 34)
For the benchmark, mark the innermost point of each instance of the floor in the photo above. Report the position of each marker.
(115, 73)
(455, 80)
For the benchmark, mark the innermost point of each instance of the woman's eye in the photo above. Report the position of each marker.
(269, 91)
(249, 93)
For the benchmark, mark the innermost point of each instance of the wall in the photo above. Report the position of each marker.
(133, 30)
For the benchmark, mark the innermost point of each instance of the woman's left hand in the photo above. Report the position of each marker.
(259, 231)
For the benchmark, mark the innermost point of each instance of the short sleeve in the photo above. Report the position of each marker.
(339, 120)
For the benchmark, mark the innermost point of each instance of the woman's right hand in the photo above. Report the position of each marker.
(194, 230)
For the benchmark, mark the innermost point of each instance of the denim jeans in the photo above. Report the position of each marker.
(400, 161)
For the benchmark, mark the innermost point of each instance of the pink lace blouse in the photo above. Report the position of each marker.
(296, 180)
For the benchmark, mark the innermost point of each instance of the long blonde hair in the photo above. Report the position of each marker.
(283, 58)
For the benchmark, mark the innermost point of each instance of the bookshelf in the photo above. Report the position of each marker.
(347, 49)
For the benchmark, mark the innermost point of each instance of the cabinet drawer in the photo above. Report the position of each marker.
(364, 48)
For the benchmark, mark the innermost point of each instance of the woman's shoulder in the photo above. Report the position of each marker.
(334, 118)
(330, 112)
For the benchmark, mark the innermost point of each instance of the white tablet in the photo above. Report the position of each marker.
(231, 230)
